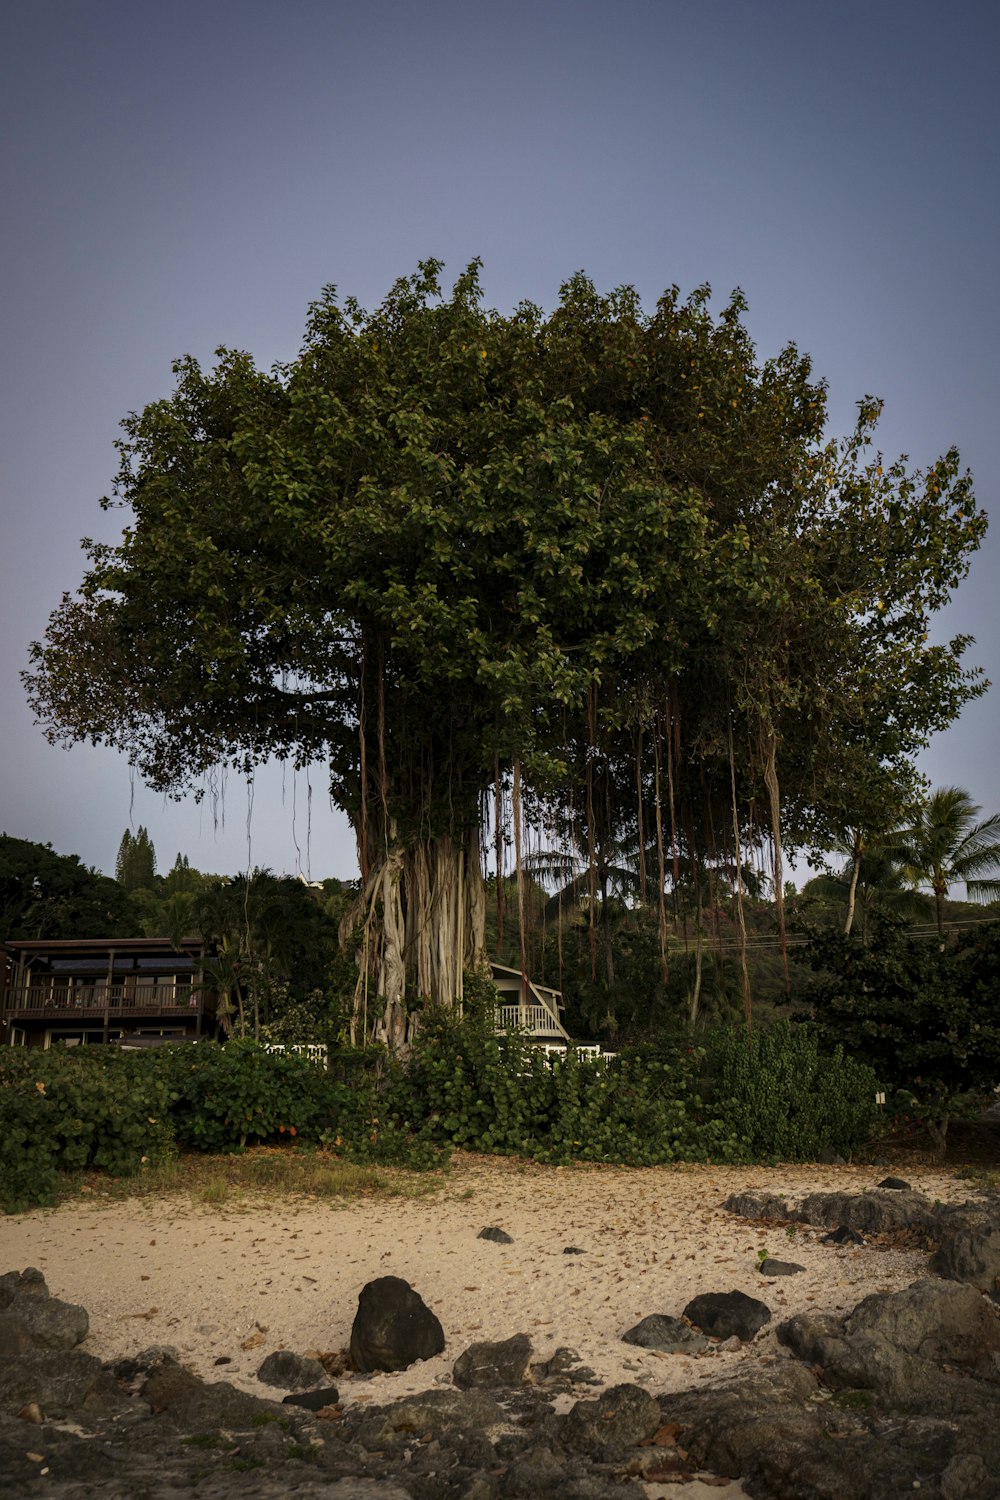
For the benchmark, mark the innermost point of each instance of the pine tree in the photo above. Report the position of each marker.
(135, 867)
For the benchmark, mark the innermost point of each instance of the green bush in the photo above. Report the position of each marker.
(786, 1098)
(467, 1087)
(223, 1098)
(925, 1014)
(65, 1110)
(777, 1096)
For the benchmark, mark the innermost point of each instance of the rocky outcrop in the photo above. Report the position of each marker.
(764, 1206)
(899, 1395)
(875, 1212)
(50, 1323)
(971, 1256)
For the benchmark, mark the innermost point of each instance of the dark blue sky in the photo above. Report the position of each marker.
(179, 177)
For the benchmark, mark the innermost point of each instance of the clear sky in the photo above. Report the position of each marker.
(181, 176)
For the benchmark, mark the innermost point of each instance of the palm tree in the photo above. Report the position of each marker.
(871, 879)
(945, 845)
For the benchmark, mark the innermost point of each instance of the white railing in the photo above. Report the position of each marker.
(316, 1052)
(536, 1019)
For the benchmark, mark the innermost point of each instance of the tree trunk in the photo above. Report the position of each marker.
(940, 891)
(423, 914)
(852, 894)
(694, 999)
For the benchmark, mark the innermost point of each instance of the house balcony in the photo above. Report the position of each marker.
(117, 1002)
(527, 1005)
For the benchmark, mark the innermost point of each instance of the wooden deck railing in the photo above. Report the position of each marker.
(116, 999)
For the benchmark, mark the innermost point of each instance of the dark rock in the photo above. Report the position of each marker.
(966, 1477)
(167, 1383)
(498, 1236)
(223, 1359)
(725, 1315)
(897, 1184)
(431, 1411)
(540, 1471)
(15, 1336)
(842, 1235)
(758, 1206)
(291, 1372)
(771, 1267)
(27, 1283)
(393, 1327)
(564, 1364)
(943, 1322)
(488, 1366)
(830, 1158)
(659, 1331)
(777, 1431)
(574, 1250)
(972, 1256)
(734, 1429)
(871, 1213)
(619, 1419)
(927, 1348)
(313, 1400)
(52, 1324)
(59, 1380)
(144, 1363)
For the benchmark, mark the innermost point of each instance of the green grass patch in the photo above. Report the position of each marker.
(242, 1180)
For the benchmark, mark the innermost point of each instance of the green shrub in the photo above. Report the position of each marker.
(65, 1110)
(785, 1098)
(223, 1098)
(465, 1086)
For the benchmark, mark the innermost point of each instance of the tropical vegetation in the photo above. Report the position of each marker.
(598, 578)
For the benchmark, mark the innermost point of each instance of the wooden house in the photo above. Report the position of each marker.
(82, 990)
(141, 991)
(535, 1008)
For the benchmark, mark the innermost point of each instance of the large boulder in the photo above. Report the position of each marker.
(492, 1366)
(393, 1327)
(51, 1324)
(872, 1213)
(972, 1256)
(940, 1321)
(726, 1315)
(620, 1418)
(925, 1348)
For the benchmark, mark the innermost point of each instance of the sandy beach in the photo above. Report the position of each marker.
(235, 1283)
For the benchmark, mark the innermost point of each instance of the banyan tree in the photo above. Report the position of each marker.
(600, 568)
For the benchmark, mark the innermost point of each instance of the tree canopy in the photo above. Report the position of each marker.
(601, 568)
(48, 895)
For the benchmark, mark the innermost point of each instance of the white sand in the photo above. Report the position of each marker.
(242, 1281)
